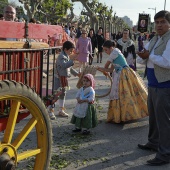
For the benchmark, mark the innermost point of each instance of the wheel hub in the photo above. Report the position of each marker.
(6, 163)
(7, 157)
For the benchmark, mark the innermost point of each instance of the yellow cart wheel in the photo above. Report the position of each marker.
(26, 142)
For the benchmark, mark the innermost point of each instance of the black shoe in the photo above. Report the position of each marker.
(146, 147)
(85, 132)
(76, 130)
(156, 162)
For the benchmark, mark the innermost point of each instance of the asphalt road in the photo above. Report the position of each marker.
(109, 146)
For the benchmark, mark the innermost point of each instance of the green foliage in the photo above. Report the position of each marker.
(56, 10)
(3, 3)
(20, 12)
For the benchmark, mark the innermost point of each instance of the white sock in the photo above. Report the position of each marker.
(61, 104)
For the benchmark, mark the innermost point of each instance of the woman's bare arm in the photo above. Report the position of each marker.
(106, 67)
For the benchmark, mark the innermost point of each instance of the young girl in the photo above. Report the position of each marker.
(64, 64)
(84, 115)
(128, 96)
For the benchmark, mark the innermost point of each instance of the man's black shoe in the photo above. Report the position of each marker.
(146, 147)
(156, 162)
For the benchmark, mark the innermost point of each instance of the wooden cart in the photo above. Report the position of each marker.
(25, 128)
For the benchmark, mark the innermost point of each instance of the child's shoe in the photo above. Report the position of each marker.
(51, 112)
(62, 113)
(85, 132)
(76, 130)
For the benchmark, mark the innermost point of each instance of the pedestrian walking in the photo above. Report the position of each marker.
(84, 115)
(83, 49)
(93, 38)
(128, 96)
(156, 56)
(100, 41)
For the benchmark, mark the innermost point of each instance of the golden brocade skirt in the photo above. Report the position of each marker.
(132, 101)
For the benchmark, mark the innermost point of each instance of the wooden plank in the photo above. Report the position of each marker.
(41, 31)
(35, 31)
(12, 29)
(20, 45)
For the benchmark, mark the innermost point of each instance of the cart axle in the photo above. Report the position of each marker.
(6, 163)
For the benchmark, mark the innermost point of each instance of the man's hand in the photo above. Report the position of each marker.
(143, 54)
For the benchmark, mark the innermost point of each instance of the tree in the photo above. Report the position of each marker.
(56, 10)
(3, 3)
(90, 11)
(31, 6)
(51, 9)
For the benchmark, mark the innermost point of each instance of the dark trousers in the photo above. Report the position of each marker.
(91, 59)
(159, 121)
(99, 57)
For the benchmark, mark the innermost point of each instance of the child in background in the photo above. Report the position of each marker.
(84, 115)
(63, 71)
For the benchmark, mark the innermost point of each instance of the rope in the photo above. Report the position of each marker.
(90, 69)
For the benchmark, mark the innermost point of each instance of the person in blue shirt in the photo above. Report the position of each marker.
(67, 30)
(156, 57)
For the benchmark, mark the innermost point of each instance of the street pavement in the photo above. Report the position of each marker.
(109, 146)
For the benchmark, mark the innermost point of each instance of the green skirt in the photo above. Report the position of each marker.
(89, 121)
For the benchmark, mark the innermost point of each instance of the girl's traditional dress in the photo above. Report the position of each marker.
(84, 115)
(128, 96)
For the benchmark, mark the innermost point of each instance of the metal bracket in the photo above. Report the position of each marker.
(28, 43)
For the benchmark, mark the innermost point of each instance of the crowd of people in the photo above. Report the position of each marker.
(130, 99)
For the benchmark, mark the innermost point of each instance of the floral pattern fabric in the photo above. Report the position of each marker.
(132, 101)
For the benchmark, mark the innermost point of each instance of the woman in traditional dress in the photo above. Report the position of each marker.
(128, 96)
(127, 47)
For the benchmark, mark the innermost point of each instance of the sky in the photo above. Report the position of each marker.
(130, 8)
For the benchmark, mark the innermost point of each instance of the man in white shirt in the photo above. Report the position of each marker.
(156, 56)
